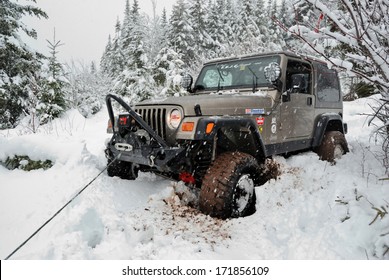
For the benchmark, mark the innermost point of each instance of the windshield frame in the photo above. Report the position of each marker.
(244, 73)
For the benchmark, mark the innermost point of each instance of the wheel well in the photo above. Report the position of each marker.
(243, 139)
(324, 125)
(334, 125)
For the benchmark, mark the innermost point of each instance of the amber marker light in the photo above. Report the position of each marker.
(209, 128)
(188, 126)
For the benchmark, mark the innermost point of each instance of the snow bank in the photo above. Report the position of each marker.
(314, 210)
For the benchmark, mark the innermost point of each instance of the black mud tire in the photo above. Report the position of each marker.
(122, 169)
(333, 146)
(221, 194)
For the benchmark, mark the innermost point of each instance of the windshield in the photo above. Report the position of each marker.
(235, 74)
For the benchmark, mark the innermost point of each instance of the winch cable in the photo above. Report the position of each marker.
(60, 210)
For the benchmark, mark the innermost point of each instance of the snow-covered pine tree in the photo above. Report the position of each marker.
(135, 82)
(168, 70)
(197, 36)
(237, 26)
(105, 63)
(53, 91)
(180, 31)
(217, 29)
(87, 88)
(273, 12)
(226, 28)
(250, 31)
(17, 61)
(229, 20)
(285, 16)
(126, 32)
(34, 88)
(155, 33)
(115, 57)
(164, 29)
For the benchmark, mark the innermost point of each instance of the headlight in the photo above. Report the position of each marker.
(174, 118)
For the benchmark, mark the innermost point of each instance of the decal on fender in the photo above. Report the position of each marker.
(274, 128)
(261, 121)
(255, 111)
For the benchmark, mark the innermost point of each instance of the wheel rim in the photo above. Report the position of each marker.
(243, 193)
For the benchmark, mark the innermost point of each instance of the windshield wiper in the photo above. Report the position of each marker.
(255, 79)
(221, 78)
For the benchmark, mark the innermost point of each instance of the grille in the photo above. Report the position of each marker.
(155, 118)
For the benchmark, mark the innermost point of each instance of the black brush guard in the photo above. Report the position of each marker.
(158, 154)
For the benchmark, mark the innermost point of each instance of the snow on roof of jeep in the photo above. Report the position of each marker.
(238, 57)
(286, 53)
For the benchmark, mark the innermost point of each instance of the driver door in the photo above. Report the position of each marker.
(297, 109)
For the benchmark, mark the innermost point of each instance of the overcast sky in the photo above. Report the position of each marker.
(82, 26)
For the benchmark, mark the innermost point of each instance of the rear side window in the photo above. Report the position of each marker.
(327, 86)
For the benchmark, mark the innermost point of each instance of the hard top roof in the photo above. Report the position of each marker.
(247, 56)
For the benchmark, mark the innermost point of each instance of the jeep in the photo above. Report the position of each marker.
(239, 112)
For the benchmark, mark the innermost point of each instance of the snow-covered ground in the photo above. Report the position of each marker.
(313, 211)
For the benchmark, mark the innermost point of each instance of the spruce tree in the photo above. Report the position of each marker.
(17, 62)
(111, 61)
(105, 63)
(168, 68)
(197, 35)
(164, 28)
(52, 97)
(179, 31)
(87, 88)
(216, 29)
(134, 81)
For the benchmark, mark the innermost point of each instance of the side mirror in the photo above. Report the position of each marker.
(272, 72)
(187, 81)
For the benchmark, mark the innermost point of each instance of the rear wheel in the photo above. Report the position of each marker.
(333, 146)
(228, 186)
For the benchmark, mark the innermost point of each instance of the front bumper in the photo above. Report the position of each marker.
(156, 154)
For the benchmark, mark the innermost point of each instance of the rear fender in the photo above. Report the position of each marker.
(327, 122)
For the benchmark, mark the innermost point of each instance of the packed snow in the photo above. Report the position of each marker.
(314, 210)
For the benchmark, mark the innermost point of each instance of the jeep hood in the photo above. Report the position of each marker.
(215, 104)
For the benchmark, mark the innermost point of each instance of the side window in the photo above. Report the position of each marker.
(327, 84)
(298, 77)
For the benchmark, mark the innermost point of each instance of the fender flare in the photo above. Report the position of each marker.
(235, 124)
(325, 122)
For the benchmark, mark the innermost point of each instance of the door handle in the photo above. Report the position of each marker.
(309, 101)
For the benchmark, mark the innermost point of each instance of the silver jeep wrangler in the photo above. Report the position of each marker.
(239, 112)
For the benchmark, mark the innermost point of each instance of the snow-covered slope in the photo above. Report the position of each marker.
(312, 211)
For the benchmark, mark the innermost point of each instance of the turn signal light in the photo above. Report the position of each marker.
(188, 126)
(209, 128)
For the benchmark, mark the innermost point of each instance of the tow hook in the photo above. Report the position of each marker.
(151, 160)
(123, 147)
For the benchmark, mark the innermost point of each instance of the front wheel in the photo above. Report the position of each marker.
(228, 186)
